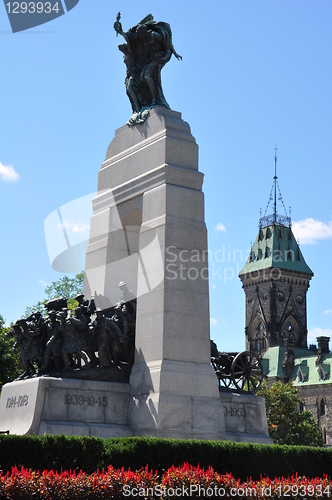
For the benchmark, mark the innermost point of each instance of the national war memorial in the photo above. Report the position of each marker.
(134, 358)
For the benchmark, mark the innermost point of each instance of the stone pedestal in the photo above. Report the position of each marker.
(48, 405)
(148, 229)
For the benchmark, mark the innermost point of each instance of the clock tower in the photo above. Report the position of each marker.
(275, 280)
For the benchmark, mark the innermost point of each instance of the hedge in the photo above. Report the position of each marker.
(89, 454)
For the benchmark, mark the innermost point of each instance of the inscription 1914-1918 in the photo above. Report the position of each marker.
(17, 401)
(80, 399)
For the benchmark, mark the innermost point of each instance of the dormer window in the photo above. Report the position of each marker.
(300, 376)
(321, 373)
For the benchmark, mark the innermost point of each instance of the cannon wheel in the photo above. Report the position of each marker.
(247, 371)
(223, 378)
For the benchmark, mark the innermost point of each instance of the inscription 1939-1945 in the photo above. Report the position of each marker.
(17, 401)
(235, 412)
(80, 399)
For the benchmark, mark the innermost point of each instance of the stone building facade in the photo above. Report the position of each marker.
(275, 281)
(310, 371)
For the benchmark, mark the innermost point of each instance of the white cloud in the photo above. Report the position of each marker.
(328, 311)
(43, 283)
(213, 322)
(310, 231)
(66, 224)
(318, 332)
(220, 227)
(8, 174)
(74, 227)
(80, 227)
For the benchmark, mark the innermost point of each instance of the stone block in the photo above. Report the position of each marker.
(67, 428)
(245, 417)
(22, 405)
(74, 407)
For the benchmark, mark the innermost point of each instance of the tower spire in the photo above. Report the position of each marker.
(275, 218)
(275, 185)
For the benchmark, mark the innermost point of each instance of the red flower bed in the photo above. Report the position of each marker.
(177, 482)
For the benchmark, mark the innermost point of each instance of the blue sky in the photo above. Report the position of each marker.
(254, 73)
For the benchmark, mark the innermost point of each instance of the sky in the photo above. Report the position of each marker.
(254, 73)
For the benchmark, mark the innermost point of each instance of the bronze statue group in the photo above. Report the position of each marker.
(68, 341)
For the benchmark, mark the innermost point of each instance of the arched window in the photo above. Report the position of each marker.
(288, 326)
(260, 336)
(290, 329)
(301, 406)
(322, 407)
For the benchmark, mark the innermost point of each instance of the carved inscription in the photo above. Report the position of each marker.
(80, 399)
(17, 401)
(235, 412)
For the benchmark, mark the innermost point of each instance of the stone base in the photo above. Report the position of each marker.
(48, 405)
(245, 418)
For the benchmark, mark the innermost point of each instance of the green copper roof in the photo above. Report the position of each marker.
(311, 374)
(272, 360)
(276, 246)
(305, 361)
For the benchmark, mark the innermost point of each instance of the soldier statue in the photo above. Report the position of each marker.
(147, 49)
(109, 338)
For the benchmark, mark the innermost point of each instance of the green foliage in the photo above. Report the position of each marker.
(64, 287)
(286, 424)
(9, 365)
(241, 459)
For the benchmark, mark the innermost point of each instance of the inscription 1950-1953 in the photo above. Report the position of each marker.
(235, 412)
(17, 401)
(80, 399)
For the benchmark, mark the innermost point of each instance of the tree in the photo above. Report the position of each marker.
(64, 287)
(286, 424)
(9, 365)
